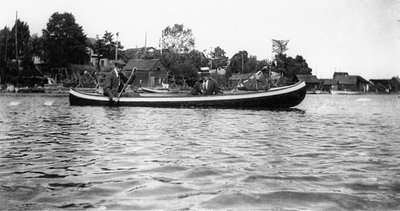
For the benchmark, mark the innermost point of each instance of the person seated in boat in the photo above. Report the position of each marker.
(206, 85)
(115, 79)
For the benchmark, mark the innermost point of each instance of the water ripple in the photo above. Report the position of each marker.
(330, 153)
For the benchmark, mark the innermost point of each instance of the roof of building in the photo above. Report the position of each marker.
(343, 79)
(328, 81)
(91, 40)
(361, 79)
(335, 74)
(219, 71)
(396, 80)
(140, 49)
(308, 78)
(393, 81)
(349, 79)
(141, 64)
(382, 81)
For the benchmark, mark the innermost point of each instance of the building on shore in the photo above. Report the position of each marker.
(327, 84)
(149, 72)
(313, 84)
(346, 82)
(385, 85)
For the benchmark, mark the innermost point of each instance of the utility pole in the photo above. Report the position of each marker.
(211, 57)
(145, 41)
(116, 48)
(162, 41)
(242, 61)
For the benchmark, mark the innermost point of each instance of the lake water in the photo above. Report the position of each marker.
(329, 153)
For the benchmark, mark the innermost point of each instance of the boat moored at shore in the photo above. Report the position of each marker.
(344, 92)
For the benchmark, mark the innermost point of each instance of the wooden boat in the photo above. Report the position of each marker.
(314, 92)
(162, 91)
(345, 92)
(148, 90)
(282, 97)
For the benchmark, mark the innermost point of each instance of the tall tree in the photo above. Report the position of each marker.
(24, 47)
(239, 62)
(178, 39)
(105, 46)
(291, 66)
(4, 39)
(36, 43)
(264, 65)
(8, 48)
(64, 41)
(184, 64)
(218, 58)
(109, 45)
(19, 44)
(5, 35)
(23, 38)
(251, 65)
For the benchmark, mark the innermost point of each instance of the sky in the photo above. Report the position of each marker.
(361, 37)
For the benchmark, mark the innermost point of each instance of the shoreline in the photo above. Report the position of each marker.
(33, 94)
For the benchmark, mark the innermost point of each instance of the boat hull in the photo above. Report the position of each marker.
(284, 97)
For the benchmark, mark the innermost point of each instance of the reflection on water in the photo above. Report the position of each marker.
(329, 153)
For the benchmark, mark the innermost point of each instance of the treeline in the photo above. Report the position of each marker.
(63, 42)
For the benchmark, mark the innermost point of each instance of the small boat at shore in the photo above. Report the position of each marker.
(282, 97)
(160, 91)
(344, 92)
(314, 92)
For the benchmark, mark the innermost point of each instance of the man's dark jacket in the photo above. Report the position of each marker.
(113, 84)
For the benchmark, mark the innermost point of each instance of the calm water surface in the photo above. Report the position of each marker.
(330, 153)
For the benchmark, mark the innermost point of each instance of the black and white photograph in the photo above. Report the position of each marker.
(283, 105)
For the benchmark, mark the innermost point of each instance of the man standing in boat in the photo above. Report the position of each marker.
(206, 85)
(114, 81)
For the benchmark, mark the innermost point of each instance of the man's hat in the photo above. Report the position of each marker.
(119, 63)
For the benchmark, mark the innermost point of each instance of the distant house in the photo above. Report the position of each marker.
(136, 53)
(396, 84)
(149, 72)
(90, 51)
(385, 85)
(312, 82)
(380, 85)
(219, 71)
(94, 58)
(346, 82)
(340, 74)
(327, 84)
